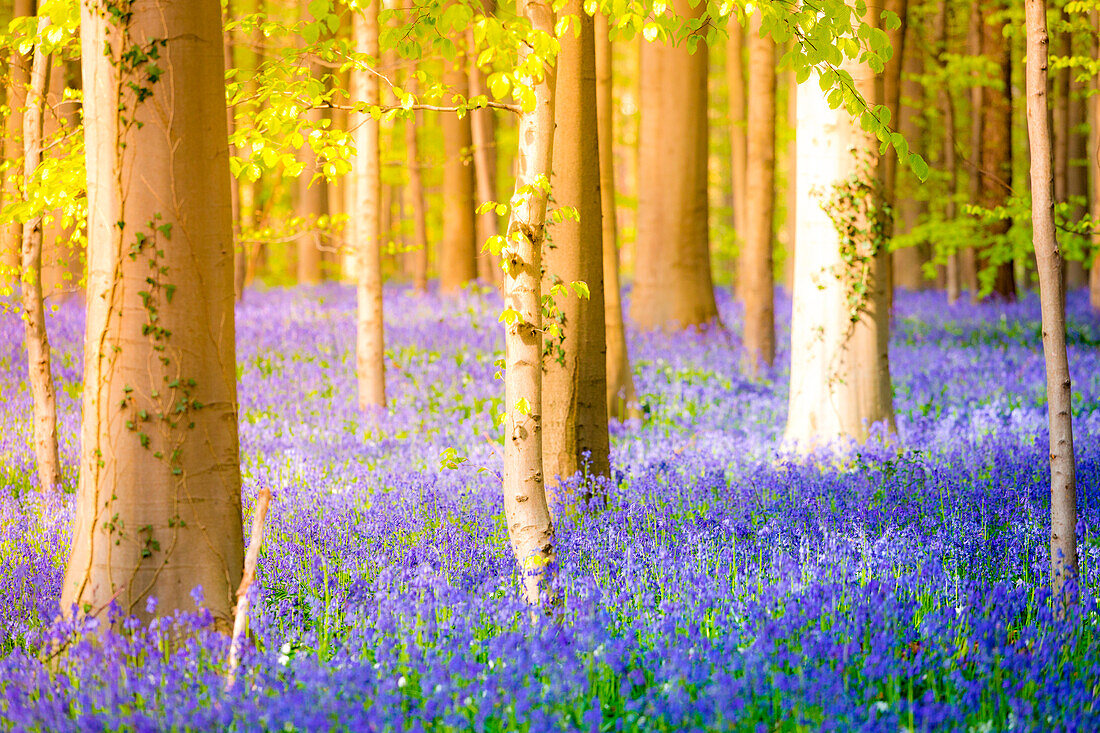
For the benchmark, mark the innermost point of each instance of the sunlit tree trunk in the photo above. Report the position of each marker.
(574, 387)
(672, 283)
(840, 371)
(888, 91)
(312, 195)
(158, 511)
(458, 256)
(995, 176)
(1063, 485)
(755, 281)
(240, 256)
(621, 397)
(62, 253)
(370, 342)
(525, 506)
(791, 203)
(735, 82)
(11, 236)
(414, 196)
(1077, 175)
(36, 339)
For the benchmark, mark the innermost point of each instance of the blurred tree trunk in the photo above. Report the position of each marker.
(11, 236)
(1063, 485)
(62, 254)
(1077, 174)
(37, 342)
(756, 288)
(672, 284)
(458, 258)
(968, 258)
(791, 203)
(995, 179)
(312, 195)
(953, 275)
(735, 82)
(621, 397)
(840, 370)
(240, 256)
(414, 193)
(888, 91)
(158, 511)
(574, 386)
(908, 262)
(525, 507)
(370, 341)
(1094, 165)
(483, 134)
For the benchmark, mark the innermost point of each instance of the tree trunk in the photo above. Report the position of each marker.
(62, 253)
(791, 194)
(1077, 175)
(483, 135)
(525, 506)
(34, 313)
(996, 160)
(574, 386)
(158, 511)
(968, 258)
(312, 195)
(11, 235)
(755, 281)
(370, 343)
(908, 262)
(672, 284)
(950, 159)
(621, 397)
(888, 90)
(458, 260)
(1094, 163)
(735, 82)
(240, 257)
(1063, 486)
(840, 371)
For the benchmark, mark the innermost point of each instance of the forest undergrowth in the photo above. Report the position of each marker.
(728, 585)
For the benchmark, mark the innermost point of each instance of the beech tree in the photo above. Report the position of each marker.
(11, 235)
(370, 341)
(735, 82)
(525, 507)
(755, 278)
(459, 247)
(840, 371)
(414, 194)
(312, 193)
(1048, 258)
(158, 510)
(575, 383)
(672, 281)
(621, 395)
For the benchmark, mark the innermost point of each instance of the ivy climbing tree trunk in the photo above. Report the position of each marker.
(840, 370)
(574, 387)
(458, 259)
(158, 510)
(525, 507)
(755, 279)
(672, 283)
(11, 235)
(621, 397)
(370, 341)
(1048, 257)
(47, 463)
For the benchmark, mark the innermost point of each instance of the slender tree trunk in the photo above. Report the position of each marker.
(1094, 164)
(574, 386)
(1063, 486)
(1077, 175)
(312, 195)
(755, 279)
(34, 313)
(370, 367)
(458, 260)
(525, 505)
(735, 81)
(415, 194)
(908, 262)
(950, 159)
(672, 284)
(840, 370)
(158, 511)
(996, 160)
(483, 134)
(11, 236)
(62, 253)
(621, 397)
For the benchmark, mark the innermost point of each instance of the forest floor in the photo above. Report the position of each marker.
(727, 586)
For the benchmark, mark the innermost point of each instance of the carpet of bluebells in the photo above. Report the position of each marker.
(728, 586)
